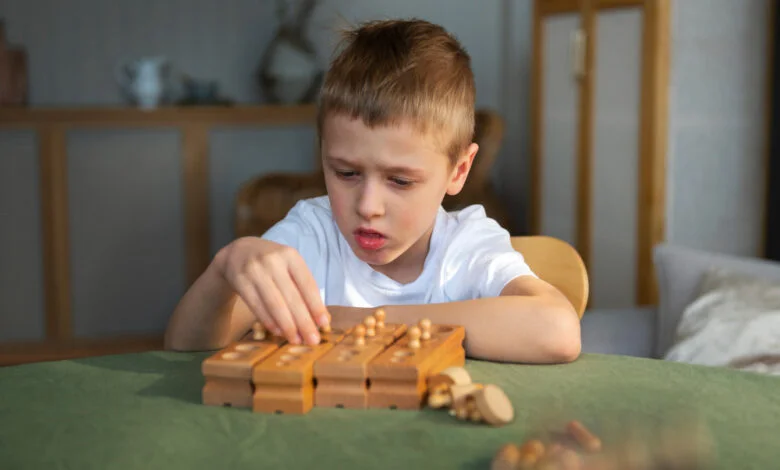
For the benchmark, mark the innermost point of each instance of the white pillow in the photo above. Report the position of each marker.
(735, 323)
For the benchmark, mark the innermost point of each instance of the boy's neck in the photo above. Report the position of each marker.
(409, 266)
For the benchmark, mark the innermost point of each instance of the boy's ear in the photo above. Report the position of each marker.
(461, 170)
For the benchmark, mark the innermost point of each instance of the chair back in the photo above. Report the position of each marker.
(557, 263)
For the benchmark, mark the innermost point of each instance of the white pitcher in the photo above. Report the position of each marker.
(145, 80)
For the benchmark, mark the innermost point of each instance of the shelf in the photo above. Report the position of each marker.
(51, 126)
(27, 352)
(167, 116)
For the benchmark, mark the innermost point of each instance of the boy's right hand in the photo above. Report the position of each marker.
(277, 286)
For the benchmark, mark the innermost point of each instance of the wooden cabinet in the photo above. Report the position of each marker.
(599, 113)
(121, 200)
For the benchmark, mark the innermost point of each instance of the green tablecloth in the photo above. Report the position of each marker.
(143, 411)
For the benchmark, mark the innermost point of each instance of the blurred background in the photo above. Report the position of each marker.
(129, 129)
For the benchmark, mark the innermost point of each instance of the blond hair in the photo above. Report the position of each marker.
(403, 70)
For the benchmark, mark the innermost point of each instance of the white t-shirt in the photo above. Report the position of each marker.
(470, 256)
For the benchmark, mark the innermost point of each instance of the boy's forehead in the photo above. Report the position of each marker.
(341, 129)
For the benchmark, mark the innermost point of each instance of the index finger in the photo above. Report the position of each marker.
(310, 292)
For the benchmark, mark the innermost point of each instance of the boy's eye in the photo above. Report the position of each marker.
(401, 181)
(345, 174)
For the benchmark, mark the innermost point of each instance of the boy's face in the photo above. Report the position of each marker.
(385, 187)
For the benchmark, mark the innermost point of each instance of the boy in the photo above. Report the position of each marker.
(396, 119)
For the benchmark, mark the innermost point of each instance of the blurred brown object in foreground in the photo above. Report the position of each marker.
(13, 72)
(678, 444)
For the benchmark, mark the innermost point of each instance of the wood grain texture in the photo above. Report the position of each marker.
(248, 115)
(54, 224)
(536, 166)
(654, 113)
(555, 7)
(609, 4)
(29, 352)
(585, 150)
(195, 165)
(559, 264)
(52, 125)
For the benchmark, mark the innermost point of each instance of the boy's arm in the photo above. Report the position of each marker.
(529, 322)
(208, 316)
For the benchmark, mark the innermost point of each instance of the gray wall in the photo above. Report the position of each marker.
(717, 129)
(125, 192)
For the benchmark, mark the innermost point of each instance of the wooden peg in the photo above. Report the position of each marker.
(584, 437)
(508, 457)
(360, 335)
(370, 323)
(380, 316)
(258, 331)
(531, 452)
(414, 337)
(425, 327)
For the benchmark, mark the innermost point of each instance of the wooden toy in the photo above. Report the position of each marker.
(284, 383)
(399, 375)
(342, 373)
(372, 365)
(228, 373)
(484, 403)
(671, 446)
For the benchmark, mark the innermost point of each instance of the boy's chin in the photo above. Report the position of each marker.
(374, 258)
(380, 257)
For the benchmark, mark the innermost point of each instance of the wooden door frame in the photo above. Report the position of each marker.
(653, 118)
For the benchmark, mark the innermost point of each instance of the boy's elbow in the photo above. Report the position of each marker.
(172, 342)
(565, 344)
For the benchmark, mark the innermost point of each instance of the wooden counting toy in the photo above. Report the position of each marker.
(228, 373)
(375, 364)
(399, 375)
(440, 386)
(342, 374)
(284, 383)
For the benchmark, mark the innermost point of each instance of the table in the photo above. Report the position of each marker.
(143, 411)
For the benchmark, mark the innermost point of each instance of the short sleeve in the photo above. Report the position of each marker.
(303, 229)
(480, 260)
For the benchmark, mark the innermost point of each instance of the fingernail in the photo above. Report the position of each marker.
(276, 331)
(322, 320)
(314, 338)
(298, 339)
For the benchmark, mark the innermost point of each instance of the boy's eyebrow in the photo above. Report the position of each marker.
(389, 169)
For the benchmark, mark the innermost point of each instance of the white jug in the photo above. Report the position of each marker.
(145, 80)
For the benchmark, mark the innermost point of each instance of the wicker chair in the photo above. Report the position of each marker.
(264, 200)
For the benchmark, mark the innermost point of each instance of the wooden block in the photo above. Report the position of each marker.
(399, 375)
(335, 335)
(236, 393)
(342, 373)
(237, 360)
(388, 335)
(228, 373)
(284, 382)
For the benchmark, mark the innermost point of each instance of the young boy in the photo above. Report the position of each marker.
(396, 119)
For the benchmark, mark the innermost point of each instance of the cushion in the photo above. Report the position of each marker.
(735, 323)
(679, 272)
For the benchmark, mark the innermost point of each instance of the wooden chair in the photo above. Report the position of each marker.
(264, 200)
(557, 263)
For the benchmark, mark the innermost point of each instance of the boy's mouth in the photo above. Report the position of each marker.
(369, 239)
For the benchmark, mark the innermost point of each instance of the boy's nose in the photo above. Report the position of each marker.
(369, 203)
